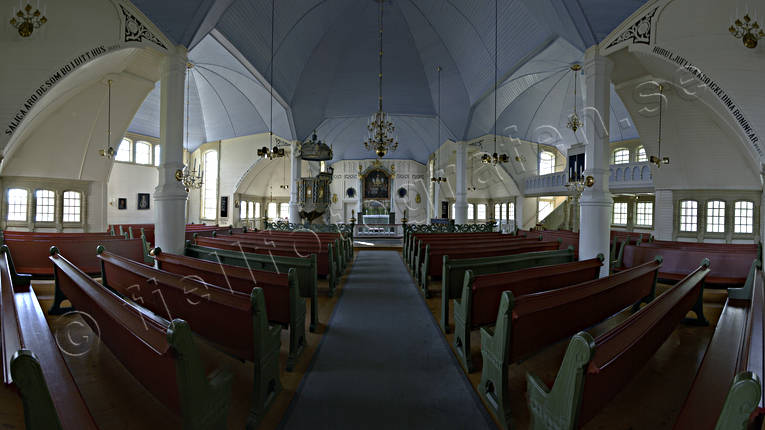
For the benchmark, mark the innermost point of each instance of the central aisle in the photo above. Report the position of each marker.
(384, 363)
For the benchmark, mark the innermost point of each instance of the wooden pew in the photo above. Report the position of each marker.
(733, 359)
(594, 370)
(325, 260)
(160, 354)
(729, 268)
(305, 268)
(345, 240)
(411, 240)
(528, 323)
(479, 303)
(237, 323)
(31, 256)
(419, 243)
(284, 305)
(453, 272)
(32, 361)
(432, 265)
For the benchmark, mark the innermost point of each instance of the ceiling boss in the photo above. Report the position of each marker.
(380, 138)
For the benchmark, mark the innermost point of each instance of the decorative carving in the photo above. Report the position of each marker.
(639, 32)
(135, 31)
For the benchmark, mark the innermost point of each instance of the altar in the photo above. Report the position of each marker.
(375, 219)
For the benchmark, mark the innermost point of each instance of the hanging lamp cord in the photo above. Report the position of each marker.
(496, 66)
(661, 97)
(438, 143)
(271, 87)
(380, 69)
(109, 115)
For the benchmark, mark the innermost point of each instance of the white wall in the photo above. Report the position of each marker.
(126, 181)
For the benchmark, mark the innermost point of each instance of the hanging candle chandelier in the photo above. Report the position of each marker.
(189, 177)
(574, 123)
(658, 160)
(108, 151)
(495, 158)
(435, 178)
(380, 137)
(274, 151)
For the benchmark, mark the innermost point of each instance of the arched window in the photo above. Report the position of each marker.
(72, 206)
(497, 212)
(716, 216)
(470, 211)
(743, 217)
(689, 212)
(210, 185)
(453, 217)
(619, 213)
(641, 154)
(511, 211)
(142, 152)
(481, 214)
(284, 210)
(251, 210)
(156, 154)
(621, 156)
(272, 211)
(503, 212)
(45, 206)
(124, 151)
(256, 214)
(17, 204)
(546, 163)
(242, 210)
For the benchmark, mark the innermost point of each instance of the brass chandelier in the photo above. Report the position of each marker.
(274, 151)
(747, 30)
(495, 158)
(659, 160)
(435, 178)
(380, 138)
(26, 21)
(574, 123)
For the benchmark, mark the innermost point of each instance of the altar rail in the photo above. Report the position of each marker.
(319, 228)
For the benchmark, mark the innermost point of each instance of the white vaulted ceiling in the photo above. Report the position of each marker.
(325, 67)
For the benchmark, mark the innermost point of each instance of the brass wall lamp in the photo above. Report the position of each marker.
(748, 31)
(26, 21)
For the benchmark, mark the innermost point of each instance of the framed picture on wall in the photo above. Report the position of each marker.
(121, 203)
(143, 201)
(224, 206)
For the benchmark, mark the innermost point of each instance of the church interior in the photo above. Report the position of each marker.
(382, 214)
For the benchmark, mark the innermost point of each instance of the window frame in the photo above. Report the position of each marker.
(626, 213)
(478, 211)
(204, 197)
(637, 154)
(637, 214)
(53, 206)
(753, 218)
(27, 206)
(156, 153)
(708, 214)
(129, 142)
(551, 162)
(680, 215)
(150, 153)
(79, 208)
(618, 151)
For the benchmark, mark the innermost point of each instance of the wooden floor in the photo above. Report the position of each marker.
(117, 401)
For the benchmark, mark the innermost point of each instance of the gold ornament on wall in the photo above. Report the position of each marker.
(417, 198)
(334, 197)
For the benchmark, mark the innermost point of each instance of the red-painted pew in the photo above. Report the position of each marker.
(160, 354)
(481, 295)
(595, 370)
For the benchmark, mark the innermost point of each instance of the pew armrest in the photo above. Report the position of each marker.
(558, 407)
(745, 292)
(743, 397)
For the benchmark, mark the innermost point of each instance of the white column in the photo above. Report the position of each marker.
(596, 202)
(359, 220)
(295, 174)
(170, 196)
(460, 191)
(437, 199)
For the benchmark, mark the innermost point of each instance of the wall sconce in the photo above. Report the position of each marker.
(27, 21)
(748, 31)
(658, 161)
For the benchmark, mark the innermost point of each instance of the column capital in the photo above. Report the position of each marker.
(594, 63)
